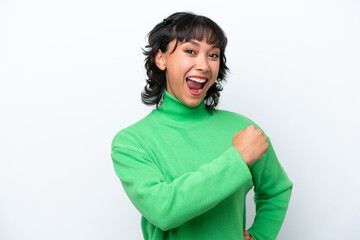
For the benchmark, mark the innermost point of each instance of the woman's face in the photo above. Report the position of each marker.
(190, 70)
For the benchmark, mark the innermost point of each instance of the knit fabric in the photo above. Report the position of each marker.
(178, 167)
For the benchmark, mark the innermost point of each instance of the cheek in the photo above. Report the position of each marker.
(174, 76)
(215, 69)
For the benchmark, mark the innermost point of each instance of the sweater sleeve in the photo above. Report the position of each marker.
(272, 189)
(169, 204)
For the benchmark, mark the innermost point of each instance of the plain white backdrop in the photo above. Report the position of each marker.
(71, 74)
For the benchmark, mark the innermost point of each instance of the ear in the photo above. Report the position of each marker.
(160, 60)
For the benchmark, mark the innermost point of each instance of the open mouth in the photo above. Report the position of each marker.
(196, 84)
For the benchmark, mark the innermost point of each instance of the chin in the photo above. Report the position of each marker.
(192, 102)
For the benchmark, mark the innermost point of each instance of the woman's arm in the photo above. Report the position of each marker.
(272, 195)
(169, 204)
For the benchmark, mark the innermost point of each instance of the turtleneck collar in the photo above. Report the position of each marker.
(172, 109)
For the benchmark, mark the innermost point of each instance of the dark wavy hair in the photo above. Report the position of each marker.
(182, 26)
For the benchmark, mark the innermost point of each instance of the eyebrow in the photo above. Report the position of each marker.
(198, 45)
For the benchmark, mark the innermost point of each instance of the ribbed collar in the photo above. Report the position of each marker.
(172, 109)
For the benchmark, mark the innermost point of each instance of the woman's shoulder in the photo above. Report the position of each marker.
(132, 132)
(232, 116)
(238, 119)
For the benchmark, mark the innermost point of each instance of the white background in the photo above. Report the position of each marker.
(71, 74)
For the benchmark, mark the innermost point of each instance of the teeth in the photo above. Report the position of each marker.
(195, 79)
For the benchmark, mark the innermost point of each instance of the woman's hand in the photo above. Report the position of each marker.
(250, 143)
(247, 235)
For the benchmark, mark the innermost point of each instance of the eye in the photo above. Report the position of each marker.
(189, 51)
(214, 55)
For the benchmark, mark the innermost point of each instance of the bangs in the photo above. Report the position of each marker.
(199, 28)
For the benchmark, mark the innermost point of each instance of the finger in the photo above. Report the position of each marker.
(251, 127)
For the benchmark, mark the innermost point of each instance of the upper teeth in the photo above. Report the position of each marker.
(195, 79)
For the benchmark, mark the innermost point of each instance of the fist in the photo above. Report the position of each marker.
(250, 143)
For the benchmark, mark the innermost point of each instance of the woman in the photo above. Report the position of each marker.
(187, 166)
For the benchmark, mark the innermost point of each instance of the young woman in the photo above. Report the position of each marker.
(187, 166)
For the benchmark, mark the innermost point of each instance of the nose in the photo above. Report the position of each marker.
(202, 64)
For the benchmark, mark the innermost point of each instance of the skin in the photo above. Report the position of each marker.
(193, 58)
(198, 58)
(250, 143)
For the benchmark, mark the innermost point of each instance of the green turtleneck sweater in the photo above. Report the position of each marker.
(180, 170)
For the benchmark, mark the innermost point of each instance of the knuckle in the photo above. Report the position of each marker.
(250, 127)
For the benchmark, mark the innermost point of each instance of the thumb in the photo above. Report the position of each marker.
(246, 235)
